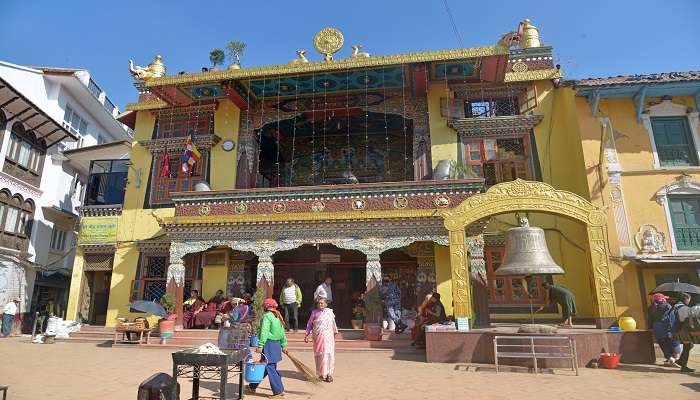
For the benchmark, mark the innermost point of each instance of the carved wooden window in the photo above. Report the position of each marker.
(178, 180)
(510, 290)
(16, 217)
(498, 159)
(180, 125)
(685, 218)
(151, 276)
(25, 155)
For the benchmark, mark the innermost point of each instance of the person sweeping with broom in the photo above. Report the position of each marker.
(272, 344)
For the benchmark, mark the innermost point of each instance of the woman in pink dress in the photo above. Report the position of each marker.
(322, 325)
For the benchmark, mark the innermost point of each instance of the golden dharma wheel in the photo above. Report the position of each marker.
(328, 41)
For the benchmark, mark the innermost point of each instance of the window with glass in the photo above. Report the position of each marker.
(674, 142)
(685, 218)
(152, 271)
(25, 151)
(182, 124)
(106, 182)
(15, 220)
(510, 290)
(498, 159)
(73, 121)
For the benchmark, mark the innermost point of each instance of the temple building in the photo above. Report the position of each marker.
(353, 166)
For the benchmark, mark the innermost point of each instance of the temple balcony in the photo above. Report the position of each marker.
(384, 196)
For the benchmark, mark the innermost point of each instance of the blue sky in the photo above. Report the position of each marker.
(590, 38)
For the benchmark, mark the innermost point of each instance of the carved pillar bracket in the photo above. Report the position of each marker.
(461, 286)
(266, 269)
(374, 268)
(477, 265)
(176, 269)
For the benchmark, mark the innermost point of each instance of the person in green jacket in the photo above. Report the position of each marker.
(290, 298)
(555, 294)
(272, 343)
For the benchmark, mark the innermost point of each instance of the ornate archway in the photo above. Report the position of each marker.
(520, 195)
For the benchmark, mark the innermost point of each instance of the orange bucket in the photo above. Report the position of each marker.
(609, 361)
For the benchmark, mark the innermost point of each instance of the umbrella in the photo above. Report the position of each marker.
(676, 287)
(149, 307)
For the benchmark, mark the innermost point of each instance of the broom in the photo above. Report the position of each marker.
(309, 374)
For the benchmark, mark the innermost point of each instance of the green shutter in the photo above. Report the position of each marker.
(685, 217)
(674, 143)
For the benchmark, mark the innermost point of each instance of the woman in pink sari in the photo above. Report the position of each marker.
(322, 325)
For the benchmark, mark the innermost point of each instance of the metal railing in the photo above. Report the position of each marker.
(536, 347)
(687, 237)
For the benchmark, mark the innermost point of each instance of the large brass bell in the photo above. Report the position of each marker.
(526, 252)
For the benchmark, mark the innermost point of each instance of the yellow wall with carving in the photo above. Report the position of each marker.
(640, 180)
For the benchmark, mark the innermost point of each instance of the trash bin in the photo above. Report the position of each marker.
(159, 386)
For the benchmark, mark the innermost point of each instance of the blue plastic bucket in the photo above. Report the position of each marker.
(254, 371)
(254, 341)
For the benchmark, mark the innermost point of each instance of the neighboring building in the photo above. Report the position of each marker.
(44, 112)
(346, 167)
(641, 145)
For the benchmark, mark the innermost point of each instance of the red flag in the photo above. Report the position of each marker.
(165, 166)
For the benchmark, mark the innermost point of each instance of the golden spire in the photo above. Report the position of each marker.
(529, 35)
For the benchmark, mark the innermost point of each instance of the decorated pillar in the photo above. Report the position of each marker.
(176, 278)
(605, 307)
(477, 272)
(266, 269)
(461, 282)
(374, 268)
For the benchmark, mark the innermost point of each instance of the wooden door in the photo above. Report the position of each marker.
(342, 301)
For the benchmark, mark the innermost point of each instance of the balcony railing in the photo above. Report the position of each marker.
(687, 238)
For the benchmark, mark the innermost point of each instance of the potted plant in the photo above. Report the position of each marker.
(373, 312)
(216, 57)
(235, 49)
(258, 299)
(166, 326)
(358, 312)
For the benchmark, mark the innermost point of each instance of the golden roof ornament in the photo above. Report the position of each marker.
(529, 35)
(328, 41)
(155, 69)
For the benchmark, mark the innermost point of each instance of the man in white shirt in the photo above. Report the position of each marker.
(8, 316)
(324, 291)
(290, 298)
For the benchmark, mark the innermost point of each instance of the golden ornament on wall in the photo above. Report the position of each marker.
(279, 207)
(400, 202)
(204, 210)
(318, 206)
(358, 204)
(519, 67)
(241, 208)
(442, 201)
(328, 41)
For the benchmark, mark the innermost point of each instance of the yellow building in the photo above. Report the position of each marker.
(640, 143)
(353, 166)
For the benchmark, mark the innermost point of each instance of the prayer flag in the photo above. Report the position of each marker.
(191, 156)
(165, 166)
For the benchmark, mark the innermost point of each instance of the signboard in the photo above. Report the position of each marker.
(98, 230)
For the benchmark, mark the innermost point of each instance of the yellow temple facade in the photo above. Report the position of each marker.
(410, 166)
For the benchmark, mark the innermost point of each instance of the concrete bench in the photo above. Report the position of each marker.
(535, 347)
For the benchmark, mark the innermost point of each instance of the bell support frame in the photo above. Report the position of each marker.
(520, 195)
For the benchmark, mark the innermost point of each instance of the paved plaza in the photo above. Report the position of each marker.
(84, 371)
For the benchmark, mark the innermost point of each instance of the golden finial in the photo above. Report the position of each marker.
(529, 35)
(157, 67)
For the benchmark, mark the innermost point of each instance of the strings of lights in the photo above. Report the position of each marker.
(277, 161)
(387, 173)
(294, 128)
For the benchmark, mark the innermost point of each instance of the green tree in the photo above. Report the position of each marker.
(217, 57)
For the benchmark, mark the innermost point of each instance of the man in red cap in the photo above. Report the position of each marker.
(661, 321)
